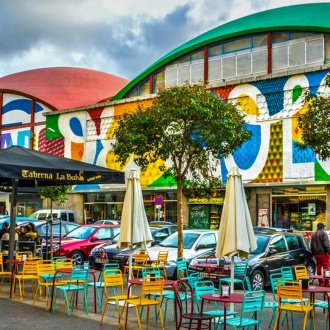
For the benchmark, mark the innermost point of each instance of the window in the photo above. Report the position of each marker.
(103, 233)
(159, 81)
(277, 243)
(238, 44)
(207, 241)
(293, 243)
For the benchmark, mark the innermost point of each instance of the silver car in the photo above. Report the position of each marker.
(195, 242)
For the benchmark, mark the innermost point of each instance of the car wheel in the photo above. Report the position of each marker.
(77, 257)
(310, 269)
(257, 280)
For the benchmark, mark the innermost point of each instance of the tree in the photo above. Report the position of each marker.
(186, 126)
(58, 195)
(315, 123)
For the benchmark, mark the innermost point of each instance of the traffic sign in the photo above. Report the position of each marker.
(159, 200)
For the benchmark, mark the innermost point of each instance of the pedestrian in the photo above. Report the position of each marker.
(4, 229)
(320, 248)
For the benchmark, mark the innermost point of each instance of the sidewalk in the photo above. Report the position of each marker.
(17, 315)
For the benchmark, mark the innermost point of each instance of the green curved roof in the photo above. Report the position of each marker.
(307, 17)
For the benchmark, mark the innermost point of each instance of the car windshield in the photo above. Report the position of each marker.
(262, 242)
(188, 240)
(81, 232)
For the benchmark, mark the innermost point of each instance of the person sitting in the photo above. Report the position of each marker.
(29, 235)
(4, 229)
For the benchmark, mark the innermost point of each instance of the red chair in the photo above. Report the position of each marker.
(185, 316)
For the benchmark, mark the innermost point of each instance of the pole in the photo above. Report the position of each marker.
(13, 213)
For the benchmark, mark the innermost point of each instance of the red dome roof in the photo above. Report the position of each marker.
(64, 87)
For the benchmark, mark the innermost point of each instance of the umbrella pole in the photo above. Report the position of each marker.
(232, 265)
(130, 266)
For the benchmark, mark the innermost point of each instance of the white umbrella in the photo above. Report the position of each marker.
(134, 227)
(236, 235)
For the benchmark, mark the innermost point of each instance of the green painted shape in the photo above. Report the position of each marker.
(320, 173)
(52, 129)
(169, 181)
(296, 93)
(312, 17)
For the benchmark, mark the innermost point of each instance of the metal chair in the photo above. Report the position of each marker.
(185, 316)
(252, 311)
(161, 261)
(287, 273)
(3, 273)
(103, 258)
(240, 275)
(291, 290)
(140, 261)
(300, 272)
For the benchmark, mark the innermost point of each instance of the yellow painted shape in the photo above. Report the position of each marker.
(248, 105)
(77, 151)
(112, 163)
(296, 132)
(152, 173)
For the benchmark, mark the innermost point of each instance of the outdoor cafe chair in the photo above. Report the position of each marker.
(287, 273)
(240, 276)
(161, 261)
(114, 279)
(292, 290)
(300, 272)
(252, 311)
(63, 263)
(147, 299)
(103, 258)
(3, 273)
(140, 261)
(207, 287)
(325, 306)
(78, 282)
(185, 314)
(29, 273)
(100, 283)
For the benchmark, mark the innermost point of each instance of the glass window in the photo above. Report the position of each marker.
(229, 66)
(315, 51)
(183, 73)
(244, 64)
(197, 55)
(171, 75)
(144, 88)
(298, 34)
(215, 50)
(280, 57)
(293, 243)
(103, 233)
(159, 81)
(260, 40)
(297, 54)
(215, 69)
(238, 44)
(280, 36)
(277, 243)
(207, 241)
(197, 71)
(259, 61)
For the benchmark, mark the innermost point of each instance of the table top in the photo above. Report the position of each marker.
(139, 281)
(15, 261)
(234, 297)
(69, 270)
(316, 289)
(209, 265)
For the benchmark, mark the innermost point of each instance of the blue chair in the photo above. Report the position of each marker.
(240, 275)
(78, 282)
(252, 311)
(273, 305)
(100, 283)
(287, 274)
(151, 271)
(207, 287)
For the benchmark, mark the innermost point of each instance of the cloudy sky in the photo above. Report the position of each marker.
(118, 37)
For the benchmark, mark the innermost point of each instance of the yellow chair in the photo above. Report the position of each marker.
(161, 261)
(29, 273)
(300, 272)
(3, 273)
(140, 261)
(63, 263)
(114, 279)
(291, 290)
(150, 289)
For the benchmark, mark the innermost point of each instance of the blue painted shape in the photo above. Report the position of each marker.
(21, 104)
(302, 155)
(247, 154)
(98, 149)
(75, 126)
(224, 171)
(81, 187)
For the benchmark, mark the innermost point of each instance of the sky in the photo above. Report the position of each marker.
(117, 37)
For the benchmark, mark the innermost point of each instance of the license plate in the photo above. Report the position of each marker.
(98, 260)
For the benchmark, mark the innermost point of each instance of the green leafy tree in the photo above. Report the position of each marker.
(315, 123)
(58, 195)
(187, 126)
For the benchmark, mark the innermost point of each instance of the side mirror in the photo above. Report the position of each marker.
(93, 239)
(271, 252)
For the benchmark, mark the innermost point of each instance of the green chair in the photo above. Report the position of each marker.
(252, 311)
(287, 273)
(240, 275)
(78, 282)
(151, 271)
(273, 305)
(207, 287)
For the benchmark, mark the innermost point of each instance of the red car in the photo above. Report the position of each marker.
(78, 243)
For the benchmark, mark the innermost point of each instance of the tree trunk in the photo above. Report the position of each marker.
(180, 218)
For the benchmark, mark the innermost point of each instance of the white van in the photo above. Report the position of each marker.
(65, 215)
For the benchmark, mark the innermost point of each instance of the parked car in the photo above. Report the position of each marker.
(78, 243)
(268, 229)
(121, 256)
(65, 215)
(195, 242)
(274, 250)
(107, 222)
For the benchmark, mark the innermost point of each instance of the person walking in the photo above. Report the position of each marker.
(320, 248)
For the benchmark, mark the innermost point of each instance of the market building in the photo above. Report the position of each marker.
(263, 62)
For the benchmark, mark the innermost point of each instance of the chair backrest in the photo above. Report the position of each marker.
(193, 278)
(30, 266)
(274, 278)
(203, 287)
(55, 258)
(240, 268)
(113, 278)
(151, 271)
(45, 267)
(1, 262)
(152, 286)
(182, 269)
(22, 255)
(79, 274)
(141, 258)
(290, 290)
(162, 258)
(253, 302)
(287, 273)
(300, 272)
(103, 255)
(63, 263)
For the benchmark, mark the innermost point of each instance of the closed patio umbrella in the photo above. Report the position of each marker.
(236, 235)
(134, 227)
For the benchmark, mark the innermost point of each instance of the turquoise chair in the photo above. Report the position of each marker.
(100, 283)
(151, 271)
(273, 305)
(287, 273)
(252, 311)
(207, 287)
(78, 282)
(240, 275)
(181, 269)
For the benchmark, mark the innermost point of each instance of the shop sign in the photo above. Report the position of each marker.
(205, 200)
(311, 197)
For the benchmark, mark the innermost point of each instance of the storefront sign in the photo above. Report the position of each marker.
(205, 201)
(263, 218)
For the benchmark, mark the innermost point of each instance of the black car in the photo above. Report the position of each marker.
(274, 250)
(121, 256)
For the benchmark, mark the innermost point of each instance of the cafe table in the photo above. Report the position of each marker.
(212, 268)
(14, 266)
(233, 298)
(313, 289)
